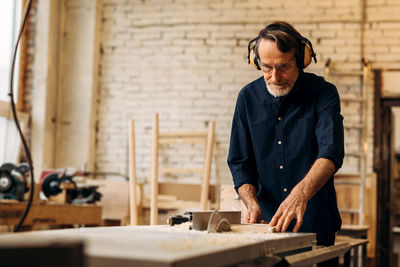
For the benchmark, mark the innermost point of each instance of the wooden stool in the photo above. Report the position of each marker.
(356, 235)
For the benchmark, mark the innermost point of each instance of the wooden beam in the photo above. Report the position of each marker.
(207, 168)
(154, 172)
(50, 214)
(132, 175)
(317, 255)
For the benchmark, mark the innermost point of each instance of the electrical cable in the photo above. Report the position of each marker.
(15, 117)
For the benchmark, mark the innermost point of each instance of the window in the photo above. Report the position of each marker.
(10, 17)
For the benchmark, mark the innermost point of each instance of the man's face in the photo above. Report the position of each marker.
(279, 69)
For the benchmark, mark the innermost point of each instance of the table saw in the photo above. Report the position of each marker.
(164, 245)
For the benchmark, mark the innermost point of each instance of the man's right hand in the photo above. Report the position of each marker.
(253, 215)
(248, 194)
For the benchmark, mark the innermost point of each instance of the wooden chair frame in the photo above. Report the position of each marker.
(205, 137)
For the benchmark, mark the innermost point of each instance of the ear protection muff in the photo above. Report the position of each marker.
(251, 53)
(304, 55)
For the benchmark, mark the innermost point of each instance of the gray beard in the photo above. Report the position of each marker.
(279, 93)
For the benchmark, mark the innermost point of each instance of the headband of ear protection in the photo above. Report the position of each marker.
(303, 56)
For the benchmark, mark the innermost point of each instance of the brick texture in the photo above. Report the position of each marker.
(187, 60)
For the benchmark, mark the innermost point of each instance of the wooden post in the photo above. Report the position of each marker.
(207, 168)
(132, 175)
(154, 173)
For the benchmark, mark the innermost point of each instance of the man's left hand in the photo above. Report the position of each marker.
(293, 207)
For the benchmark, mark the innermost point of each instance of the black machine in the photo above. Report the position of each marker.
(53, 184)
(13, 181)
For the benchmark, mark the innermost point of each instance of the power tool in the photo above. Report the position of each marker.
(13, 179)
(54, 182)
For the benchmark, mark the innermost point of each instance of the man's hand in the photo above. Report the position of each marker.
(248, 194)
(293, 207)
(253, 215)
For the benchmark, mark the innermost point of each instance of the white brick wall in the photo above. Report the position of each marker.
(186, 59)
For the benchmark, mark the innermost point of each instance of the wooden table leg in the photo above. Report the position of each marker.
(347, 258)
(355, 257)
(364, 255)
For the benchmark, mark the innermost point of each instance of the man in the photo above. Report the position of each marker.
(287, 138)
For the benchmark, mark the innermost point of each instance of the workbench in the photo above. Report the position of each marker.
(163, 245)
(50, 214)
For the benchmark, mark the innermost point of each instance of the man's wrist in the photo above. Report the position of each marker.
(248, 194)
(302, 191)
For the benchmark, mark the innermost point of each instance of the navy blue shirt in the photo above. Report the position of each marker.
(275, 140)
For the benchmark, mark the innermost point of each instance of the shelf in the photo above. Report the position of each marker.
(354, 154)
(349, 73)
(347, 176)
(347, 182)
(352, 98)
(354, 126)
(351, 211)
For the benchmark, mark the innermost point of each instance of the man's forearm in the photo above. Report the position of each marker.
(248, 194)
(294, 206)
(319, 174)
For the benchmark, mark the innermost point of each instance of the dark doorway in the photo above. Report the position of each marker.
(383, 166)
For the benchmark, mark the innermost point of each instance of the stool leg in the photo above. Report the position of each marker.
(364, 255)
(347, 258)
(355, 259)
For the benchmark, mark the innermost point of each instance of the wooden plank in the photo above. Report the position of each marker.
(353, 242)
(253, 227)
(5, 111)
(207, 168)
(370, 205)
(163, 197)
(355, 228)
(50, 214)
(177, 204)
(181, 140)
(180, 170)
(188, 192)
(132, 175)
(184, 134)
(154, 173)
(92, 72)
(317, 255)
(114, 198)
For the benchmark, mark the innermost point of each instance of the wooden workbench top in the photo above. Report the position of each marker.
(164, 246)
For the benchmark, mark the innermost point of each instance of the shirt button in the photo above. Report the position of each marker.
(284, 189)
(279, 118)
(279, 142)
(281, 167)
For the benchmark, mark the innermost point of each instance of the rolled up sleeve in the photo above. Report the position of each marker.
(329, 127)
(241, 160)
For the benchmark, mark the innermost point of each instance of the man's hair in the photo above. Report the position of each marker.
(284, 41)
